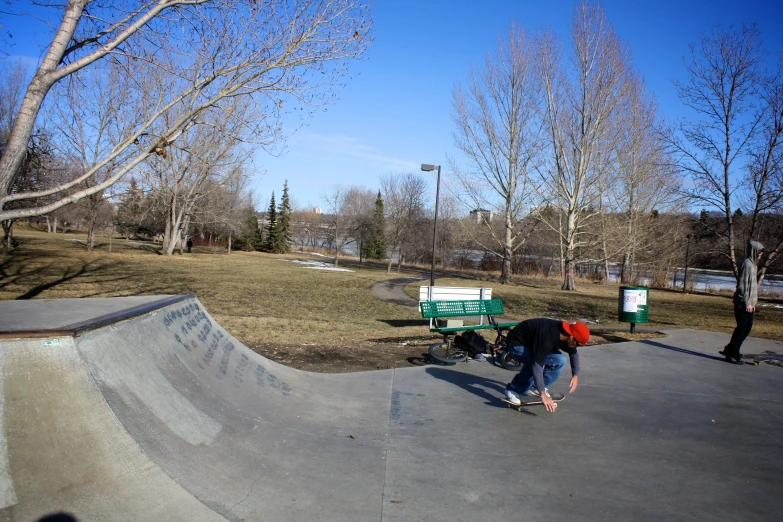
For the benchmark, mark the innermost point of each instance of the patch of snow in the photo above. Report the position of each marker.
(319, 265)
(333, 268)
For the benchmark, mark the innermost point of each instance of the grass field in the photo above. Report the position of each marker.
(292, 313)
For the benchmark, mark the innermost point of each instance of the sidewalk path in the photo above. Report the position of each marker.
(392, 291)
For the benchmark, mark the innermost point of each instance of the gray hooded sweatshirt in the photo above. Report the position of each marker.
(747, 293)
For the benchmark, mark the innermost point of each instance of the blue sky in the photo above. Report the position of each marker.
(394, 114)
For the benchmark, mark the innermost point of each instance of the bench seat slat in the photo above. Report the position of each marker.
(431, 309)
(504, 326)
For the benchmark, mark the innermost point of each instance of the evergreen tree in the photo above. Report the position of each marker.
(127, 218)
(271, 228)
(375, 248)
(252, 239)
(283, 239)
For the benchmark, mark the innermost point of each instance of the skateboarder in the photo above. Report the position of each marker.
(746, 297)
(536, 343)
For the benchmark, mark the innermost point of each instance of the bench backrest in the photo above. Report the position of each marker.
(453, 293)
(480, 307)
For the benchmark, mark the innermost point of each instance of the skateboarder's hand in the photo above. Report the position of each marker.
(548, 403)
(574, 383)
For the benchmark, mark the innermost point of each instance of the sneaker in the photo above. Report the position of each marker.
(533, 392)
(734, 360)
(512, 397)
(723, 352)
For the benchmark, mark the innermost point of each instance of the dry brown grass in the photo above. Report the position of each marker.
(286, 311)
(258, 297)
(527, 298)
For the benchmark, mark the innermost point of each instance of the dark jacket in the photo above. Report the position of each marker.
(540, 335)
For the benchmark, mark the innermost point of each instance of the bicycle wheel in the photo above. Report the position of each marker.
(447, 353)
(507, 360)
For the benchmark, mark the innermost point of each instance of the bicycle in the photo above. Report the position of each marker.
(449, 352)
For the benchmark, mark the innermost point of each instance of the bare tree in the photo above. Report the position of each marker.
(403, 200)
(337, 202)
(582, 95)
(645, 183)
(308, 228)
(216, 50)
(724, 74)
(11, 92)
(204, 158)
(86, 121)
(224, 207)
(12, 80)
(499, 129)
(765, 172)
(358, 209)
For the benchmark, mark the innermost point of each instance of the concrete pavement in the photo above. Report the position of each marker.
(163, 415)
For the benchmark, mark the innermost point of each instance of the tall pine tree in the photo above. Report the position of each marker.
(127, 220)
(375, 248)
(283, 236)
(270, 241)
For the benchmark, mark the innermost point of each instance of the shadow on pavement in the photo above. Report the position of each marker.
(682, 350)
(488, 389)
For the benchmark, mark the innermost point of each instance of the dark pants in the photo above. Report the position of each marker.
(744, 325)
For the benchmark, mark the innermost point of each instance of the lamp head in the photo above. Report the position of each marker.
(427, 167)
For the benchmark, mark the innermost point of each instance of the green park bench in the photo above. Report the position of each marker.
(442, 310)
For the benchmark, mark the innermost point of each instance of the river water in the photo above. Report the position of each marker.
(712, 280)
(702, 280)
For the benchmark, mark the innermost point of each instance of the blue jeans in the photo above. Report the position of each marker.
(523, 381)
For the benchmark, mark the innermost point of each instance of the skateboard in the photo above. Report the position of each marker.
(755, 361)
(557, 397)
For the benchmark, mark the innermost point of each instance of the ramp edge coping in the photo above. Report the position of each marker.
(77, 329)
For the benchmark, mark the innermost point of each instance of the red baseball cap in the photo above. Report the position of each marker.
(578, 331)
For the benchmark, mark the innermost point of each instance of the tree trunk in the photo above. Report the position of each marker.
(624, 269)
(173, 230)
(7, 235)
(508, 242)
(91, 234)
(229, 241)
(391, 259)
(561, 241)
(570, 251)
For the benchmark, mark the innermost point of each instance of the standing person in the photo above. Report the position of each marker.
(746, 297)
(190, 244)
(536, 343)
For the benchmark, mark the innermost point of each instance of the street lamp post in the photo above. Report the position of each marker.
(429, 168)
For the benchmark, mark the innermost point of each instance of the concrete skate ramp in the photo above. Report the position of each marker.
(165, 416)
